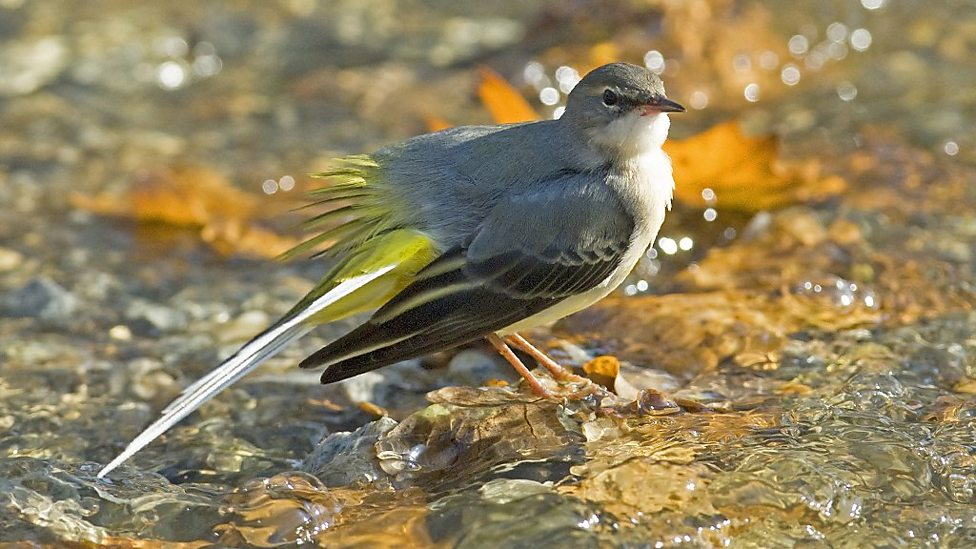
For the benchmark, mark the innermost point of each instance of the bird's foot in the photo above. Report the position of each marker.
(566, 386)
(558, 372)
(578, 387)
(534, 384)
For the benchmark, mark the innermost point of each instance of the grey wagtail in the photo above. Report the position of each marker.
(475, 232)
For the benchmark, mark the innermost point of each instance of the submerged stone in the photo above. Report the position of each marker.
(41, 298)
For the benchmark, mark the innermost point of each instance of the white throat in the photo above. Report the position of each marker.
(639, 140)
(632, 134)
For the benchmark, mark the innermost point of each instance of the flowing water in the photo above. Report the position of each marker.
(829, 331)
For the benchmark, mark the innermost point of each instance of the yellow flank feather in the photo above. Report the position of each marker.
(358, 208)
(410, 250)
(361, 228)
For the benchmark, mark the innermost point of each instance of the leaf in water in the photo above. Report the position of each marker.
(238, 236)
(603, 370)
(185, 196)
(143, 543)
(744, 172)
(436, 123)
(504, 102)
(196, 197)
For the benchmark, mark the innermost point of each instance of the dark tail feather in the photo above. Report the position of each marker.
(346, 357)
(407, 349)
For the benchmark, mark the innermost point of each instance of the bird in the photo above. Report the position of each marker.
(473, 232)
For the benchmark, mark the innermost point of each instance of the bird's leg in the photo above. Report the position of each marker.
(557, 371)
(509, 355)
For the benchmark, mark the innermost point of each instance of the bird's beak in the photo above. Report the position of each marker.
(659, 104)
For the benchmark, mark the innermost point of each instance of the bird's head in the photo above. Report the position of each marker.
(620, 110)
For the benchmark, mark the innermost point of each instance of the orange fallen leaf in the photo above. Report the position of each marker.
(504, 102)
(603, 53)
(436, 123)
(246, 238)
(603, 370)
(200, 198)
(188, 196)
(744, 172)
(374, 410)
(496, 383)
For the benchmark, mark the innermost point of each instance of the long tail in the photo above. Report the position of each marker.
(250, 356)
(379, 256)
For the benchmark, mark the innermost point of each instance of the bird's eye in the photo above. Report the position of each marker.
(609, 98)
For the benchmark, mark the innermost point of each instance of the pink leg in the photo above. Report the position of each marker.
(554, 368)
(506, 352)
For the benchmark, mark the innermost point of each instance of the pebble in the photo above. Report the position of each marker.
(159, 316)
(40, 298)
(244, 326)
(10, 259)
(31, 64)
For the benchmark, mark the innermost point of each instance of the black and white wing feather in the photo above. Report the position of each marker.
(535, 249)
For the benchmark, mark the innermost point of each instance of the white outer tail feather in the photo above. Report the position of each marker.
(250, 356)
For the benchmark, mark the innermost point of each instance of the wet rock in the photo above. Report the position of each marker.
(40, 298)
(397, 388)
(345, 458)
(467, 432)
(147, 378)
(155, 317)
(406, 384)
(10, 259)
(11, 23)
(30, 64)
(243, 326)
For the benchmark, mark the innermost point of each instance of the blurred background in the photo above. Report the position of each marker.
(813, 281)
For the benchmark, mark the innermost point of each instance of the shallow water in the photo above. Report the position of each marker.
(831, 338)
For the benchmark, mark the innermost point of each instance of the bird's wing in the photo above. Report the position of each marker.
(556, 239)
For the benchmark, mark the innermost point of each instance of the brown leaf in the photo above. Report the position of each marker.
(244, 237)
(197, 197)
(185, 196)
(603, 370)
(744, 172)
(436, 123)
(504, 102)
(373, 409)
